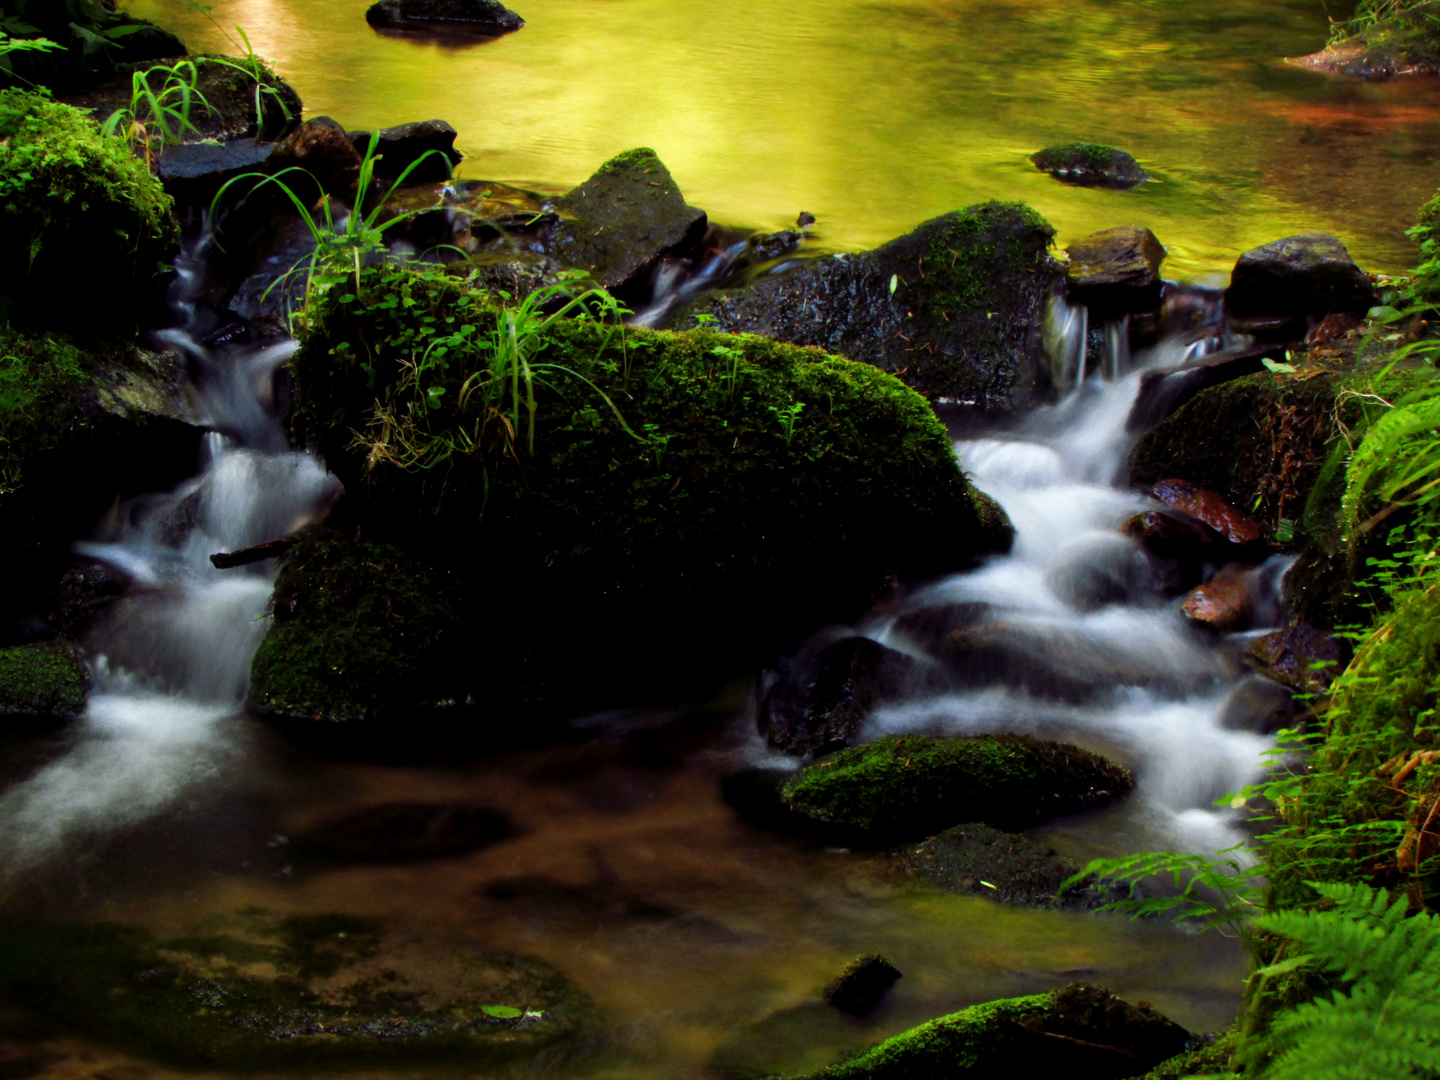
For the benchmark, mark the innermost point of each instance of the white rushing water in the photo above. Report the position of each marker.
(170, 662)
(1097, 652)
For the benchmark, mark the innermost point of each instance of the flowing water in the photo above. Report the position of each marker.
(875, 116)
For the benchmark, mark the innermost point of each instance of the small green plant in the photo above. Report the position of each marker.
(10, 44)
(733, 355)
(1383, 1017)
(249, 63)
(157, 118)
(787, 417)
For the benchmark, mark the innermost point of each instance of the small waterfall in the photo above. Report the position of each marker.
(1096, 650)
(170, 660)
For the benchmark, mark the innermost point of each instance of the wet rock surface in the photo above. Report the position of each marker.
(1090, 165)
(193, 172)
(624, 218)
(1224, 603)
(816, 701)
(321, 147)
(1258, 704)
(404, 831)
(915, 785)
(46, 680)
(1301, 657)
(1210, 508)
(479, 16)
(406, 144)
(1179, 537)
(1306, 274)
(978, 860)
(1116, 271)
(256, 989)
(960, 323)
(1080, 1031)
(858, 989)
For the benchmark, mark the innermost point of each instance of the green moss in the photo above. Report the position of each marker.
(78, 215)
(260, 990)
(960, 274)
(42, 680)
(1212, 1060)
(642, 158)
(706, 513)
(980, 861)
(359, 631)
(40, 376)
(915, 785)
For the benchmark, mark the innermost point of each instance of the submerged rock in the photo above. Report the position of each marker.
(1116, 271)
(256, 990)
(1080, 1031)
(858, 989)
(918, 785)
(483, 16)
(43, 680)
(1090, 165)
(1306, 274)
(817, 700)
(953, 308)
(623, 219)
(403, 831)
(978, 860)
(736, 491)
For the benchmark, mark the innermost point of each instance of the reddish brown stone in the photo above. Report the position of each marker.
(1333, 327)
(1172, 536)
(1210, 507)
(1224, 602)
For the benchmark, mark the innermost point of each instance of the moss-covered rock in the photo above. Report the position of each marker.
(1213, 1060)
(1090, 165)
(258, 989)
(80, 216)
(46, 680)
(1080, 1032)
(917, 785)
(952, 308)
(978, 860)
(751, 491)
(1402, 40)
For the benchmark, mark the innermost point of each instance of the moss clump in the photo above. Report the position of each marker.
(42, 680)
(40, 377)
(359, 631)
(916, 785)
(79, 215)
(1382, 39)
(711, 515)
(260, 990)
(1212, 1060)
(1077, 1031)
(1090, 164)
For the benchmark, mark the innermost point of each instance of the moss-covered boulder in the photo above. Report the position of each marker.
(80, 217)
(256, 989)
(910, 786)
(42, 680)
(1397, 39)
(1080, 1033)
(81, 423)
(732, 490)
(978, 860)
(953, 308)
(1090, 165)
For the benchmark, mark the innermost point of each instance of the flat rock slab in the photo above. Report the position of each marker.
(918, 785)
(1117, 270)
(1309, 274)
(194, 172)
(1090, 165)
(619, 222)
(978, 860)
(951, 308)
(479, 16)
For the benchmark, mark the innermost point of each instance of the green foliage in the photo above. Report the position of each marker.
(1220, 893)
(157, 118)
(1382, 1019)
(9, 45)
(39, 377)
(42, 680)
(249, 63)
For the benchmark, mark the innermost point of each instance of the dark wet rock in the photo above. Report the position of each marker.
(960, 323)
(1258, 704)
(405, 144)
(1307, 274)
(929, 627)
(233, 112)
(858, 989)
(1116, 271)
(623, 219)
(917, 785)
(482, 16)
(43, 680)
(978, 860)
(1174, 536)
(87, 591)
(1163, 390)
(1090, 165)
(1209, 507)
(320, 147)
(256, 990)
(402, 831)
(1303, 658)
(597, 903)
(768, 247)
(1224, 603)
(1100, 571)
(724, 523)
(1081, 1032)
(804, 220)
(816, 701)
(193, 172)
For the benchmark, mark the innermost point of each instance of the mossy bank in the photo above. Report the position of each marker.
(669, 496)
